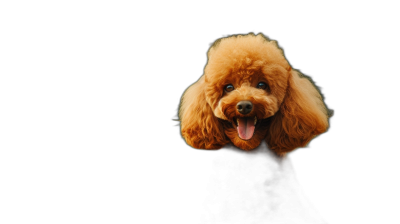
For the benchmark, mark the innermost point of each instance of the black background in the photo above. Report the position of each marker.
(135, 163)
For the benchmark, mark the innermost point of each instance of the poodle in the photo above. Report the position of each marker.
(249, 92)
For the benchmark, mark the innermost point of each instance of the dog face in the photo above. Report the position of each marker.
(248, 93)
(246, 99)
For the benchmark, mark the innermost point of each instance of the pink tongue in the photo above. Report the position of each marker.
(245, 128)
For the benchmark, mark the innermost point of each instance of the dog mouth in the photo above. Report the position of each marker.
(245, 127)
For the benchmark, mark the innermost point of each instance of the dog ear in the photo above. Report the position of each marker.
(302, 116)
(199, 127)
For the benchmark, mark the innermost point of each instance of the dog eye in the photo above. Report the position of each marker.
(229, 88)
(262, 85)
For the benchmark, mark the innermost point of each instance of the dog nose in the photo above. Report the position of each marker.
(244, 107)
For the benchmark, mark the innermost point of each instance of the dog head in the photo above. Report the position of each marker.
(248, 93)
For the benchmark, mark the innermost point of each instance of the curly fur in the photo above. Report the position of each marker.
(252, 180)
(290, 111)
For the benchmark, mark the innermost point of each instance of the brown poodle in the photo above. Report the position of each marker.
(249, 92)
